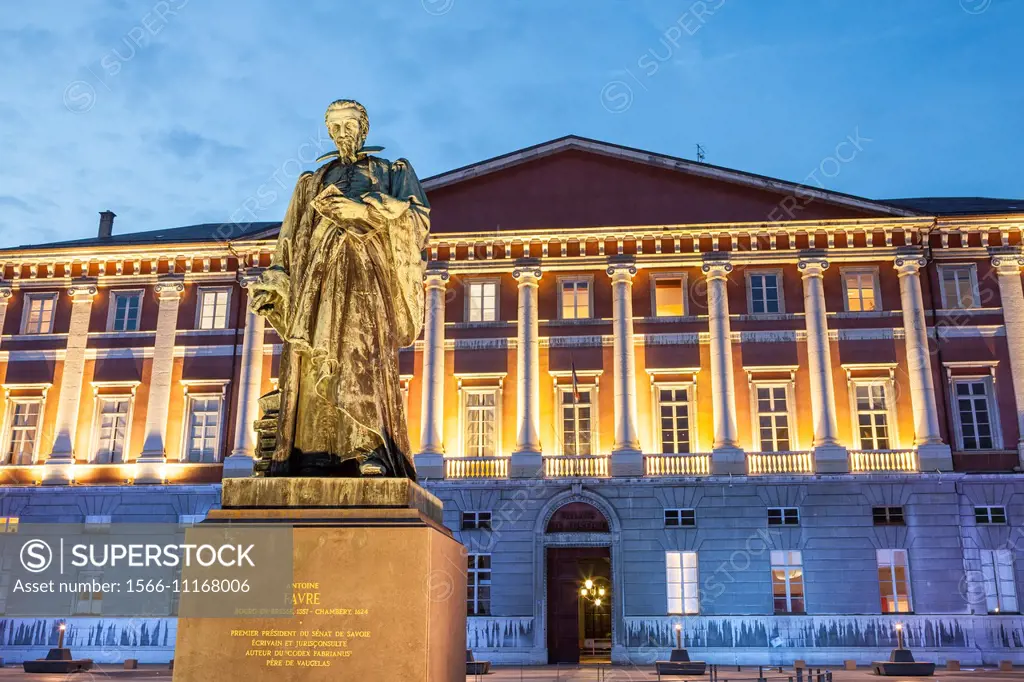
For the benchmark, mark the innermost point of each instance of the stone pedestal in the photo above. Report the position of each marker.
(379, 585)
(728, 461)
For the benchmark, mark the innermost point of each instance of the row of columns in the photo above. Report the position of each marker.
(727, 455)
(58, 469)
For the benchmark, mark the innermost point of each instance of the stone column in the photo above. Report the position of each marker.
(829, 455)
(429, 460)
(627, 458)
(932, 453)
(727, 457)
(5, 294)
(150, 462)
(239, 464)
(526, 458)
(1008, 267)
(59, 464)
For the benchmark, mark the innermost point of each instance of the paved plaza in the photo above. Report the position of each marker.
(563, 673)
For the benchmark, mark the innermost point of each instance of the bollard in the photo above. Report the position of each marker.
(760, 673)
(828, 676)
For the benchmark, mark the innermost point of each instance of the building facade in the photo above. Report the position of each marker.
(783, 418)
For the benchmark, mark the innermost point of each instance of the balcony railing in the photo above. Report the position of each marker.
(862, 461)
(476, 467)
(780, 462)
(565, 466)
(677, 465)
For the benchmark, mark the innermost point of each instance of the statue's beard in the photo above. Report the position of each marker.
(347, 149)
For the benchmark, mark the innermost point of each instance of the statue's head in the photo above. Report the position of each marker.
(348, 125)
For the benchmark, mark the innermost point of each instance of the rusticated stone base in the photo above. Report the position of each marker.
(379, 588)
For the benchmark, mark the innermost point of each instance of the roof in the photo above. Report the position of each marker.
(621, 152)
(939, 206)
(173, 235)
(923, 206)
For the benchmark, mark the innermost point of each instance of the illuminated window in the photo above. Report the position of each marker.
(974, 412)
(476, 520)
(959, 286)
(8, 524)
(576, 422)
(787, 581)
(574, 299)
(480, 420)
(483, 301)
(126, 307)
(38, 317)
(861, 290)
(213, 308)
(1000, 584)
(88, 602)
(112, 429)
(765, 291)
(203, 428)
(478, 584)
(669, 296)
(680, 518)
(23, 430)
(894, 580)
(990, 515)
(773, 418)
(674, 418)
(681, 578)
(872, 407)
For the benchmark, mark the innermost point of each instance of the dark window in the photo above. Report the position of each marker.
(478, 585)
(677, 518)
(990, 514)
(476, 520)
(887, 516)
(783, 516)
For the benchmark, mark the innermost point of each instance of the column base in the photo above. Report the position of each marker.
(831, 459)
(429, 465)
(59, 470)
(728, 461)
(239, 465)
(627, 463)
(934, 456)
(149, 469)
(526, 464)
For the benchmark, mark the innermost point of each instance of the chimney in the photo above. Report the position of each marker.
(106, 224)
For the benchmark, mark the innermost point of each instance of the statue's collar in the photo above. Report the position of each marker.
(364, 151)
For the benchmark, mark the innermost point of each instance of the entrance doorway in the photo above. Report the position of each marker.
(579, 628)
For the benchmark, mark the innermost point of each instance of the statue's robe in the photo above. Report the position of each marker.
(353, 301)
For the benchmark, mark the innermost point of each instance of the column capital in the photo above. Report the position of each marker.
(82, 291)
(812, 266)
(436, 275)
(717, 269)
(1007, 262)
(909, 264)
(621, 269)
(527, 271)
(168, 289)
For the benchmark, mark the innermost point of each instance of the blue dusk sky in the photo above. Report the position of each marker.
(176, 112)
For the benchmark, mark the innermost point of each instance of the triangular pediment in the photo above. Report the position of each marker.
(574, 182)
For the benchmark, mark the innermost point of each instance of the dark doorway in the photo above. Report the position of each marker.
(572, 619)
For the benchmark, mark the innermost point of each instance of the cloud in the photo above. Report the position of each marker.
(7, 201)
(188, 144)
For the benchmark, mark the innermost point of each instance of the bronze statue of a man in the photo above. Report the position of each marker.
(345, 292)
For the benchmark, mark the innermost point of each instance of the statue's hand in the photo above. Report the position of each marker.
(386, 205)
(270, 293)
(342, 210)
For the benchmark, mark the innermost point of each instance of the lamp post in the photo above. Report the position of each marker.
(899, 636)
(60, 637)
(679, 636)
